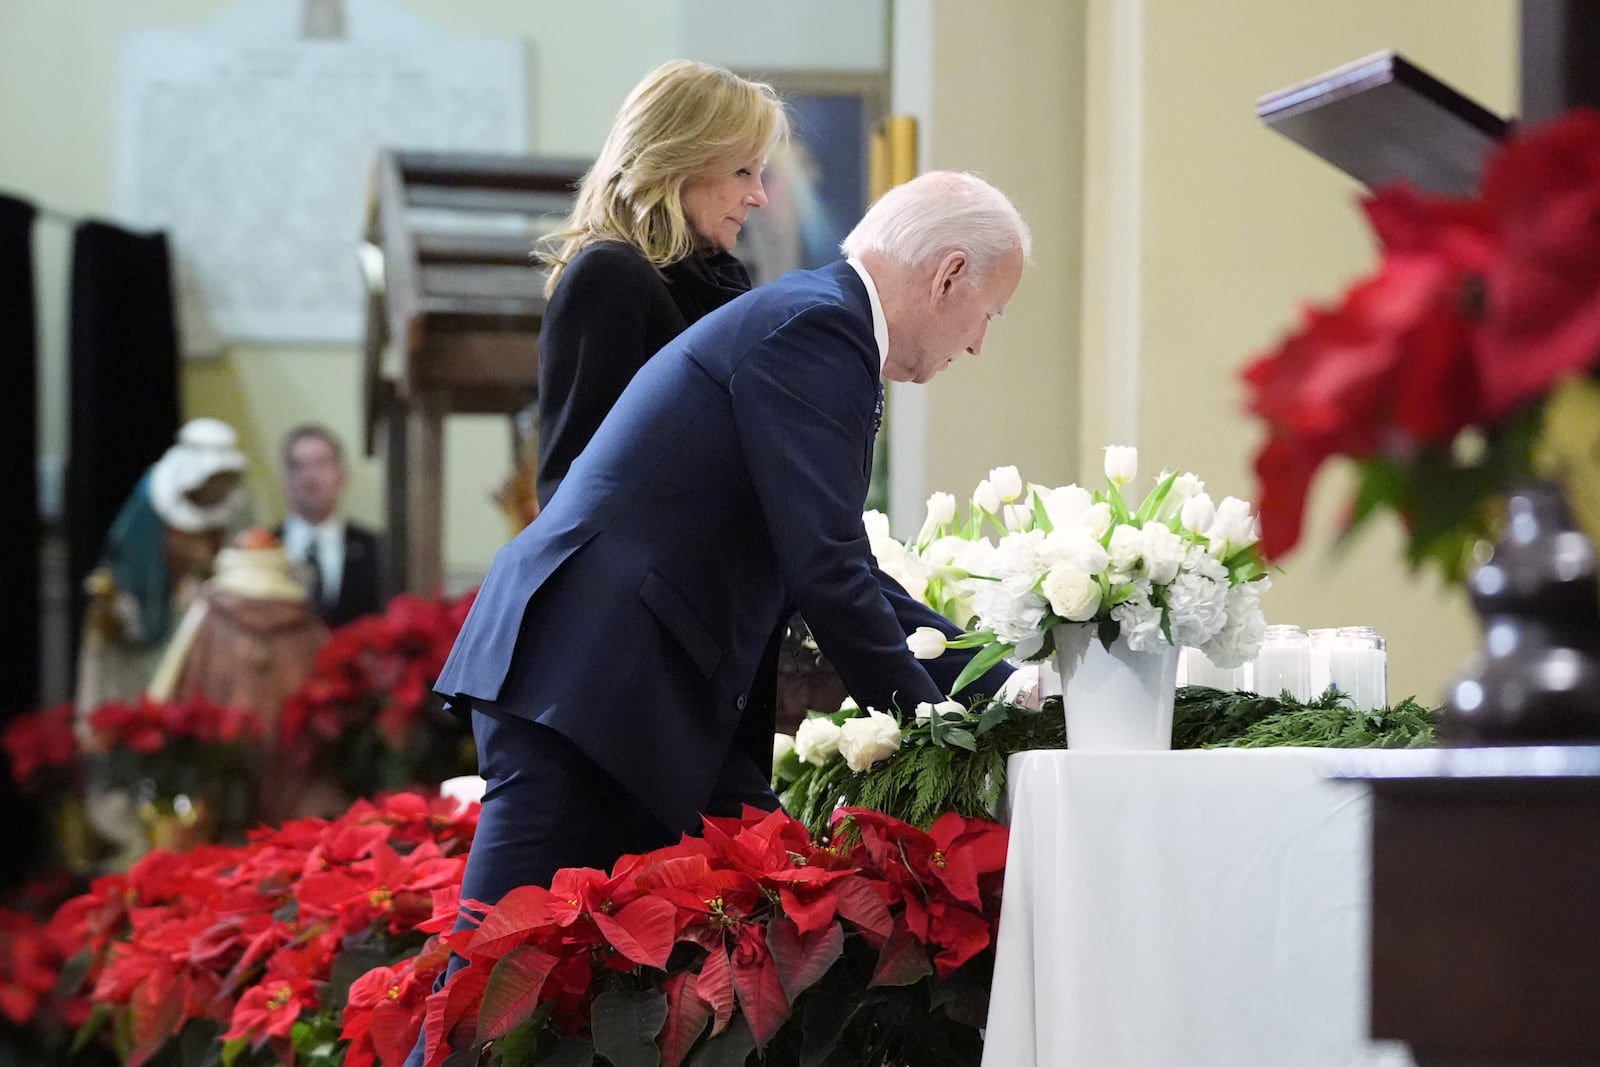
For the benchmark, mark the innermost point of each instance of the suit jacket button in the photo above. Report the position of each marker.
(740, 703)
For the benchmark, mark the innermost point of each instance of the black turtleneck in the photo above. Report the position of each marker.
(610, 312)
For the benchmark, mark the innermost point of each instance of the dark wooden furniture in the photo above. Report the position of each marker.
(453, 319)
(1486, 906)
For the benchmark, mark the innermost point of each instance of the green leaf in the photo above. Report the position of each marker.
(570, 1051)
(1041, 518)
(980, 663)
(961, 739)
(1157, 497)
(626, 1025)
(997, 712)
(1107, 631)
(731, 1048)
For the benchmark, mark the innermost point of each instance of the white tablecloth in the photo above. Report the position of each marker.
(1185, 909)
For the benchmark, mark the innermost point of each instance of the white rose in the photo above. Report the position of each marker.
(925, 710)
(1198, 513)
(782, 745)
(1126, 548)
(1076, 546)
(1122, 463)
(867, 739)
(926, 642)
(1074, 595)
(817, 741)
(1232, 529)
(986, 497)
(1065, 504)
(1096, 519)
(1164, 552)
(877, 526)
(1007, 482)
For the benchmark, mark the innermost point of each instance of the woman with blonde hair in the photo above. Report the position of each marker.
(646, 251)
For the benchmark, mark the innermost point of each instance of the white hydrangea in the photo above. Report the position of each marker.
(1238, 642)
(1140, 620)
(1197, 607)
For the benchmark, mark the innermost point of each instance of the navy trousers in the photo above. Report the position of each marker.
(547, 806)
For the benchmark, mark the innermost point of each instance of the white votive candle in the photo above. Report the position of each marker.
(1284, 663)
(1359, 666)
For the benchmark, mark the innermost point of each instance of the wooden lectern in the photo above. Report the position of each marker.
(453, 312)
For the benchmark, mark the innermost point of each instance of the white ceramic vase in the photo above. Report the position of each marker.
(1116, 700)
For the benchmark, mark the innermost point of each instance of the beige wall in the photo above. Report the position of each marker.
(57, 69)
(1176, 238)
(1175, 235)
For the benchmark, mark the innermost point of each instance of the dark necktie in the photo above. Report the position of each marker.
(314, 573)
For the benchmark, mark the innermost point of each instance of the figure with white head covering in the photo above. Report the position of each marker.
(159, 549)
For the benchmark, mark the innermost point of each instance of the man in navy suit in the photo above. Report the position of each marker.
(339, 557)
(618, 661)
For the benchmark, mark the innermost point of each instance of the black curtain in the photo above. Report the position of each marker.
(123, 382)
(21, 836)
(19, 470)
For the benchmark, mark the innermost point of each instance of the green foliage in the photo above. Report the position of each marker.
(958, 762)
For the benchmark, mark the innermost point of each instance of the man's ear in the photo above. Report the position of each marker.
(952, 270)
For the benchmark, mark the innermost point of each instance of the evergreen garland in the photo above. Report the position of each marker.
(957, 762)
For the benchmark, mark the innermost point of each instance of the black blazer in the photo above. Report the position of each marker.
(361, 585)
(610, 312)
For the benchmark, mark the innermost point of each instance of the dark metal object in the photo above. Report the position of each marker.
(1538, 676)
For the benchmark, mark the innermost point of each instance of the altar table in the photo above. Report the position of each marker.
(1186, 909)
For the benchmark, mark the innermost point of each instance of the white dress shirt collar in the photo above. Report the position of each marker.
(880, 324)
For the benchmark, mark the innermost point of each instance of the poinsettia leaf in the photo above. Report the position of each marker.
(513, 990)
(687, 1015)
(755, 980)
(803, 958)
(979, 664)
(859, 902)
(643, 931)
(903, 959)
(715, 985)
(731, 1048)
(521, 911)
(626, 1024)
(571, 1051)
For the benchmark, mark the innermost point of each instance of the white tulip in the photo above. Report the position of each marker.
(926, 642)
(782, 745)
(941, 513)
(817, 741)
(1198, 513)
(1007, 482)
(1232, 529)
(1073, 594)
(1018, 517)
(986, 497)
(1065, 505)
(1122, 463)
(868, 739)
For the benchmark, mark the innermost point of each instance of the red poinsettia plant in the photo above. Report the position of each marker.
(171, 747)
(751, 936)
(42, 748)
(365, 712)
(1433, 373)
(254, 947)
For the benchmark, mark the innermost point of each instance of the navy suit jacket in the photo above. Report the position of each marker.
(723, 491)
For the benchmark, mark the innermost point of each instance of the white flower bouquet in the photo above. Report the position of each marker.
(1175, 569)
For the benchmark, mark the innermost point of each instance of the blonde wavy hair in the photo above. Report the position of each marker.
(684, 120)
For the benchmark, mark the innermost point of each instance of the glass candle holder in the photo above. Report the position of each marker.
(1322, 642)
(1196, 668)
(1358, 665)
(1284, 663)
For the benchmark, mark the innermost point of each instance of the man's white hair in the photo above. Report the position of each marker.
(937, 213)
